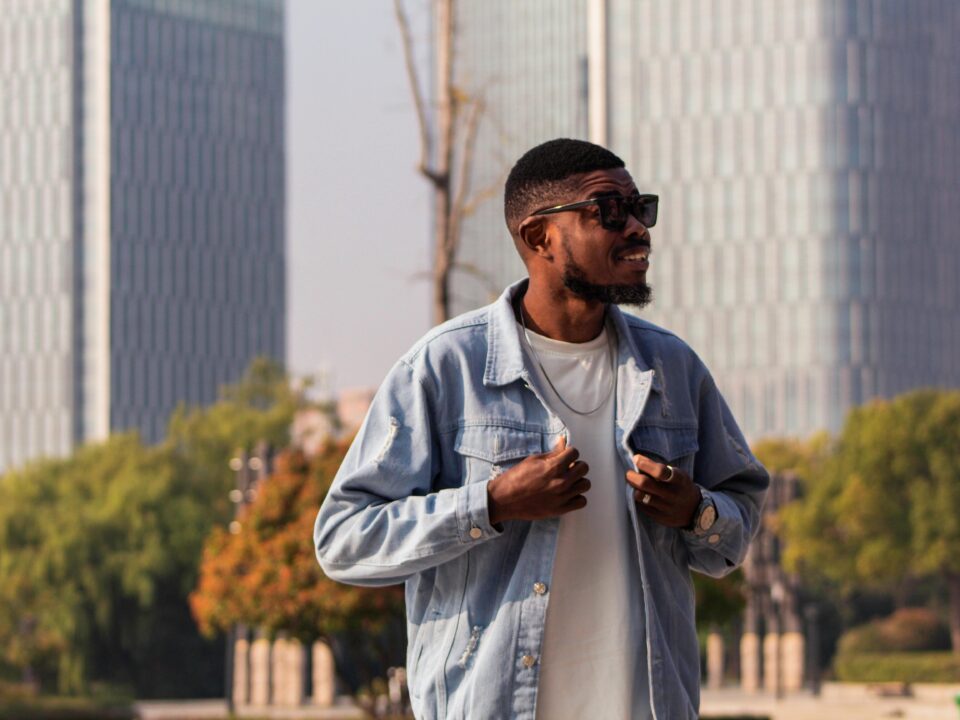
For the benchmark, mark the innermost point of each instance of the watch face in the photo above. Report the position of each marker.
(707, 518)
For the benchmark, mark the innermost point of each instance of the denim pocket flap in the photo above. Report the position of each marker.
(665, 444)
(496, 444)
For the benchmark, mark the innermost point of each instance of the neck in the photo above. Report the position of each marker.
(556, 314)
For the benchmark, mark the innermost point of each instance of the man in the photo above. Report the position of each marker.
(543, 473)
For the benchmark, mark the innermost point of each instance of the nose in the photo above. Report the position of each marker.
(635, 227)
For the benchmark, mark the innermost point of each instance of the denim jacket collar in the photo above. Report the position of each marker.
(505, 358)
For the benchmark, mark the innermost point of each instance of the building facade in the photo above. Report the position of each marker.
(142, 211)
(807, 158)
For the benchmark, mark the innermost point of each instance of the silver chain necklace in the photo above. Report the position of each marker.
(613, 371)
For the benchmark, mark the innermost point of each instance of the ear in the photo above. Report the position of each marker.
(534, 236)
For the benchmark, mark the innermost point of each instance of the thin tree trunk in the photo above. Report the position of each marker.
(447, 170)
(903, 592)
(953, 587)
(443, 245)
(441, 260)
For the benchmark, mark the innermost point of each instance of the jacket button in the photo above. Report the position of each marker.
(476, 533)
(529, 661)
(713, 539)
(539, 588)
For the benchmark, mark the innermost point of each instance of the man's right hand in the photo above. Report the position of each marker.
(539, 486)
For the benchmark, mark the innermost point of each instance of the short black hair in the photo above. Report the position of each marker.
(541, 177)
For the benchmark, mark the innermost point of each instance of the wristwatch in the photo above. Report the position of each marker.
(704, 517)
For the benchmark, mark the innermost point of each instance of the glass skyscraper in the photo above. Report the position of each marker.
(807, 156)
(142, 238)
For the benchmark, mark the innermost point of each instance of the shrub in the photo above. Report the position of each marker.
(914, 667)
(906, 630)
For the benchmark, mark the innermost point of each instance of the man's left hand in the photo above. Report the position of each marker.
(669, 499)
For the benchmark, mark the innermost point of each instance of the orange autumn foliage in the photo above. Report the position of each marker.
(267, 576)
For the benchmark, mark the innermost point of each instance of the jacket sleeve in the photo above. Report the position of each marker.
(382, 521)
(733, 478)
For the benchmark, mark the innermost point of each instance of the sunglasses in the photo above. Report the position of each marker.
(615, 209)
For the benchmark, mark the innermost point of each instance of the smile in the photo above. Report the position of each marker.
(642, 255)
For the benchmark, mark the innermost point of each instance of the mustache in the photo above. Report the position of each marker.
(636, 242)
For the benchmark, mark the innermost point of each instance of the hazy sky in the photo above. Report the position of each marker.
(358, 213)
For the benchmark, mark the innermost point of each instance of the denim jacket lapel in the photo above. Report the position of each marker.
(635, 378)
(505, 360)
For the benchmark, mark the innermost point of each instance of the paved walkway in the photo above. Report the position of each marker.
(835, 703)
(217, 710)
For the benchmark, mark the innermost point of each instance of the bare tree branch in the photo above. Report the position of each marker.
(482, 277)
(448, 137)
(426, 142)
(483, 194)
(462, 184)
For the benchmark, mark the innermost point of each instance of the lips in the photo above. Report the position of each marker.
(640, 256)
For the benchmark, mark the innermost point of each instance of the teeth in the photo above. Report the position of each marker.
(638, 256)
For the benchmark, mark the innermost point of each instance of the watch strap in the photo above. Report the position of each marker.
(696, 513)
(706, 502)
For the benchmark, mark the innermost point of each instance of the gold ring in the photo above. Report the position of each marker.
(645, 499)
(669, 477)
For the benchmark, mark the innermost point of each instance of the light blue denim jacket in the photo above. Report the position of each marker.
(409, 504)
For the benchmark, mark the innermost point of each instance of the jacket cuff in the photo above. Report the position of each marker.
(724, 536)
(473, 514)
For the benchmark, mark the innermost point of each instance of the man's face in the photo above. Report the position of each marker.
(609, 266)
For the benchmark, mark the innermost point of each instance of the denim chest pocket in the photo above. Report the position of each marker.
(487, 450)
(676, 446)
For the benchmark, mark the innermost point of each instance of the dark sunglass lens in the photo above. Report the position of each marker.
(613, 213)
(645, 210)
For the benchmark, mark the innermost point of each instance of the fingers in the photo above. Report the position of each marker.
(577, 502)
(650, 503)
(562, 452)
(666, 514)
(580, 487)
(660, 472)
(573, 481)
(655, 510)
(652, 496)
(562, 457)
(576, 470)
(643, 483)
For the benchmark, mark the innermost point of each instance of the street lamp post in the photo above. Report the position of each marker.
(777, 596)
(812, 613)
(238, 496)
(250, 470)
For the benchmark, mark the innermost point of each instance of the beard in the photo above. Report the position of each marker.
(575, 280)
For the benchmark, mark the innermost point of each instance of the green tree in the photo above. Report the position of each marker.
(91, 547)
(99, 551)
(850, 527)
(805, 458)
(719, 601)
(266, 574)
(880, 509)
(934, 492)
(259, 408)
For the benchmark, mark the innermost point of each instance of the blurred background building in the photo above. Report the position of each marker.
(142, 237)
(807, 157)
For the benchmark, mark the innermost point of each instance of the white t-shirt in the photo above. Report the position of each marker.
(593, 659)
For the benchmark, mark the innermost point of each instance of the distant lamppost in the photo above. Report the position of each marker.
(812, 613)
(250, 470)
(239, 496)
(777, 596)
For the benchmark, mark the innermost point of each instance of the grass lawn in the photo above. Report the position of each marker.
(54, 708)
